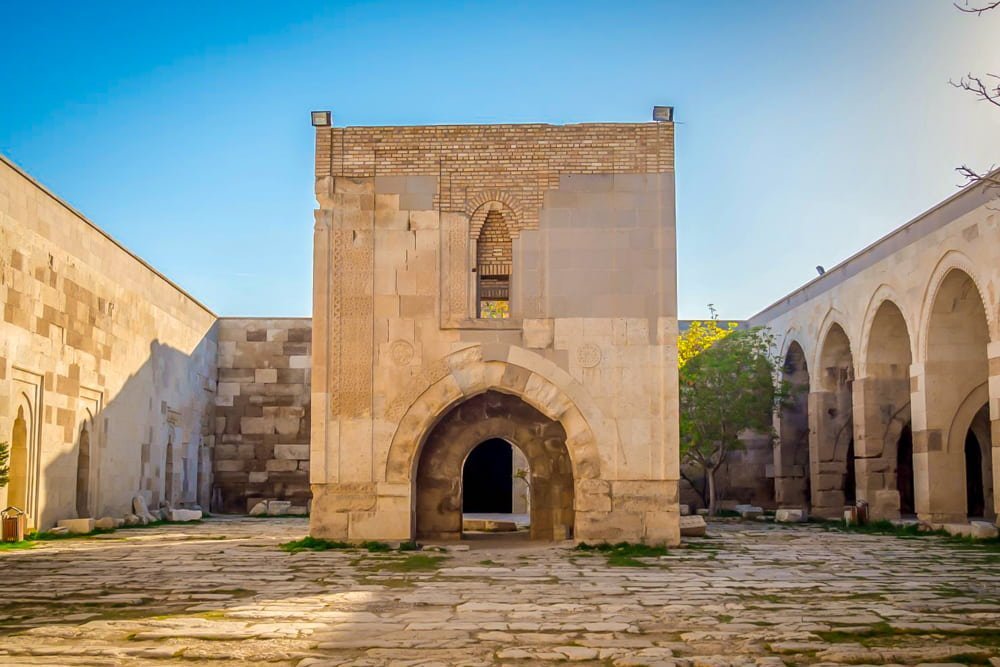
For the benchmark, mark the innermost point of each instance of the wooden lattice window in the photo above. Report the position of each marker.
(494, 261)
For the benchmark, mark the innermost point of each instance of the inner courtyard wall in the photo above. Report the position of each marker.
(262, 412)
(591, 337)
(939, 273)
(98, 349)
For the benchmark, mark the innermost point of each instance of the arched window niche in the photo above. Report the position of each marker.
(494, 265)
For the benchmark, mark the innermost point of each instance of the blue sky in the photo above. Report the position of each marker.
(806, 130)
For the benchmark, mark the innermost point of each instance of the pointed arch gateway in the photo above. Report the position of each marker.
(527, 401)
(954, 391)
(831, 418)
(791, 460)
(884, 456)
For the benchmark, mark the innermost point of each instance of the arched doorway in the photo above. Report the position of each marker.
(833, 436)
(17, 487)
(791, 461)
(484, 418)
(955, 389)
(885, 449)
(978, 467)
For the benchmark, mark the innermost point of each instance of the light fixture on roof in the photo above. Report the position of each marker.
(663, 114)
(321, 118)
(820, 270)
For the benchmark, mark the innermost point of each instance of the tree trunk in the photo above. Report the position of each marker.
(710, 473)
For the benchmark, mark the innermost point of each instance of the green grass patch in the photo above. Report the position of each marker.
(487, 562)
(414, 563)
(310, 543)
(624, 554)
(876, 634)
(912, 531)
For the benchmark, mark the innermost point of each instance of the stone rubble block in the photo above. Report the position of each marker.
(278, 507)
(693, 526)
(259, 509)
(749, 511)
(685, 510)
(77, 526)
(789, 515)
(183, 515)
(106, 523)
(983, 530)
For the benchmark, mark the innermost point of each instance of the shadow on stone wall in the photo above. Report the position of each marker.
(153, 437)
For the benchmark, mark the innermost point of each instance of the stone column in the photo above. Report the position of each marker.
(826, 472)
(880, 412)
(993, 352)
(938, 479)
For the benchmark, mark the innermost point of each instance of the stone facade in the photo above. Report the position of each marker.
(107, 369)
(262, 412)
(586, 356)
(896, 357)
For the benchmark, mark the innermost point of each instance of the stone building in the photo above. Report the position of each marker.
(896, 355)
(512, 282)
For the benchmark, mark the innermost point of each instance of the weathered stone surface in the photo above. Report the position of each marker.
(754, 594)
(788, 515)
(105, 523)
(983, 530)
(278, 507)
(259, 509)
(693, 526)
(77, 526)
(183, 515)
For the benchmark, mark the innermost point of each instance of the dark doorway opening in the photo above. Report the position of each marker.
(850, 481)
(975, 497)
(904, 471)
(488, 478)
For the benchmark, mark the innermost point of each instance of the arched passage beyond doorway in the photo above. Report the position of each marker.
(488, 416)
(488, 478)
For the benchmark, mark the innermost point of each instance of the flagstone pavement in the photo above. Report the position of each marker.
(222, 592)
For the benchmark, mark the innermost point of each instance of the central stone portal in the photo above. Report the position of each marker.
(494, 417)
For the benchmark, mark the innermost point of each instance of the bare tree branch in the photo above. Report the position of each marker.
(980, 87)
(988, 177)
(977, 9)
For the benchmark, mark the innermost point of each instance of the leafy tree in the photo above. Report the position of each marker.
(700, 336)
(729, 387)
(4, 464)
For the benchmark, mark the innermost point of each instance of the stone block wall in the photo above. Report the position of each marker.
(107, 369)
(262, 412)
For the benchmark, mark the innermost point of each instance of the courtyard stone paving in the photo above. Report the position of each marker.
(222, 592)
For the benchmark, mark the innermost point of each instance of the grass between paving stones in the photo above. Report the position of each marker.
(310, 543)
(32, 539)
(912, 531)
(624, 554)
(878, 635)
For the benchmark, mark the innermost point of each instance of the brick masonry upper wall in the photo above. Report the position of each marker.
(477, 163)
